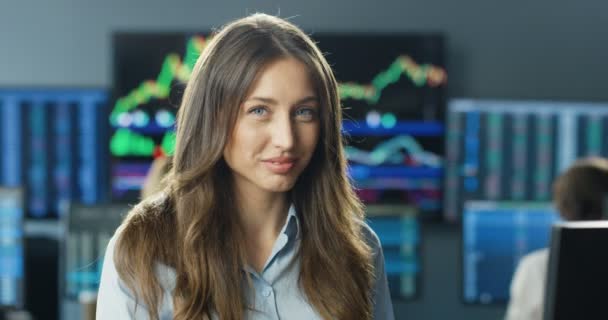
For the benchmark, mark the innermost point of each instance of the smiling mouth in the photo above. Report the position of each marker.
(280, 167)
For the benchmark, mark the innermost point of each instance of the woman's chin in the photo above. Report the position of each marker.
(282, 186)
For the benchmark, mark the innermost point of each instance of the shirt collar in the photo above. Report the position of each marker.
(291, 229)
(292, 224)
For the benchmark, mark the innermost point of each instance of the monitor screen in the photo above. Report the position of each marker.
(496, 235)
(89, 229)
(11, 248)
(399, 234)
(392, 87)
(53, 144)
(150, 73)
(577, 281)
(513, 150)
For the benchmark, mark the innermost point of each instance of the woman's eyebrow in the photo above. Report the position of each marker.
(308, 99)
(272, 101)
(264, 100)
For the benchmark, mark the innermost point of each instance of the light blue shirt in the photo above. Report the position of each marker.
(275, 293)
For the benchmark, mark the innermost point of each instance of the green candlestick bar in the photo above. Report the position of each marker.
(172, 69)
(128, 143)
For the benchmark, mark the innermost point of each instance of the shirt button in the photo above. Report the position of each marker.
(267, 292)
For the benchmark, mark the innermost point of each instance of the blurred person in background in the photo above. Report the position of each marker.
(154, 182)
(258, 219)
(579, 194)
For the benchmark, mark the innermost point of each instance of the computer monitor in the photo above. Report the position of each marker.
(502, 150)
(392, 89)
(88, 231)
(496, 235)
(577, 277)
(53, 144)
(398, 229)
(11, 248)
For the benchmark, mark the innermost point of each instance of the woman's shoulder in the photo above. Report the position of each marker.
(148, 226)
(535, 260)
(371, 238)
(148, 212)
(165, 275)
(152, 205)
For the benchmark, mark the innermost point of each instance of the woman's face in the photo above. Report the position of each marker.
(276, 130)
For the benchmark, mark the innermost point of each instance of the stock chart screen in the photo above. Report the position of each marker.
(53, 144)
(399, 234)
(496, 235)
(513, 150)
(150, 73)
(12, 253)
(392, 89)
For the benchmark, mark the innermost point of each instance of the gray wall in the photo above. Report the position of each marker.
(512, 49)
(505, 49)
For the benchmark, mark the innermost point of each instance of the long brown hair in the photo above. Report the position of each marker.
(193, 228)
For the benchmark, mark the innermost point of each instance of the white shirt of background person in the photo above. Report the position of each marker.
(528, 287)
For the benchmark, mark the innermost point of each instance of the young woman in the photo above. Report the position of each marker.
(258, 219)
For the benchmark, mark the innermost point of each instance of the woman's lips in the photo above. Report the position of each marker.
(280, 165)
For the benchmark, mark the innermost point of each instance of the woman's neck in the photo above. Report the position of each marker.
(262, 214)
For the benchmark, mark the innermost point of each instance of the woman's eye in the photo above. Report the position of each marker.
(306, 113)
(258, 111)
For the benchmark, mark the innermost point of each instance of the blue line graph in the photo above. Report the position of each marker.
(391, 183)
(415, 128)
(391, 152)
(365, 172)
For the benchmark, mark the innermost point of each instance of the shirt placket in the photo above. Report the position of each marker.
(265, 294)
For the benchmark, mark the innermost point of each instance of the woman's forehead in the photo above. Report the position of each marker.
(283, 79)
